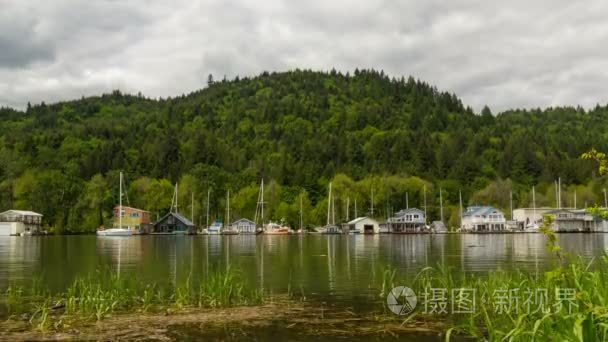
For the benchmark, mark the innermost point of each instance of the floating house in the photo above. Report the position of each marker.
(132, 218)
(483, 219)
(19, 222)
(410, 220)
(244, 226)
(530, 217)
(363, 225)
(174, 223)
(573, 220)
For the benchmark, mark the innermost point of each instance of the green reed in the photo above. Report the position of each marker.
(104, 293)
(584, 318)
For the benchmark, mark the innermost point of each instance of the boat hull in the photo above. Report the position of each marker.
(280, 231)
(115, 232)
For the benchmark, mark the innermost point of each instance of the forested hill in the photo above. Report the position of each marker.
(297, 130)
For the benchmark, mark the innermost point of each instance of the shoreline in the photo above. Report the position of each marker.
(305, 234)
(292, 319)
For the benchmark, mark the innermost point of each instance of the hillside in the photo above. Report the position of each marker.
(297, 130)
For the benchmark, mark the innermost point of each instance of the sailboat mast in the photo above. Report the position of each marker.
(534, 204)
(301, 214)
(559, 192)
(176, 197)
(120, 202)
(511, 203)
(208, 194)
(356, 208)
(424, 195)
(441, 204)
(556, 197)
(262, 202)
(347, 208)
(407, 200)
(460, 198)
(333, 211)
(228, 207)
(372, 210)
(192, 206)
(328, 203)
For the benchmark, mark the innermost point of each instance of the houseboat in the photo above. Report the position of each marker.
(174, 223)
(411, 220)
(20, 222)
(478, 219)
(244, 226)
(363, 225)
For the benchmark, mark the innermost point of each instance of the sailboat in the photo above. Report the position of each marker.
(259, 210)
(228, 229)
(533, 226)
(215, 228)
(271, 228)
(301, 227)
(120, 231)
(207, 228)
(330, 227)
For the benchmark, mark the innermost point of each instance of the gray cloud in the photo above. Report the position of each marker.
(512, 54)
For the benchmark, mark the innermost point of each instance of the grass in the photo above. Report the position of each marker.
(498, 316)
(104, 293)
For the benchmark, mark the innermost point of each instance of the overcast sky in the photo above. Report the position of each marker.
(505, 54)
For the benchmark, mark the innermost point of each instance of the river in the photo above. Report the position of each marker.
(332, 267)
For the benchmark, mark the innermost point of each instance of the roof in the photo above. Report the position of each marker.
(180, 217)
(125, 206)
(22, 212)
(480, 210)
(359, 219)
(243, 219)
(408, 211)
(569, 210)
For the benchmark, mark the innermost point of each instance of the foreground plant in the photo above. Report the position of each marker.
(104, 293)
(568, 302)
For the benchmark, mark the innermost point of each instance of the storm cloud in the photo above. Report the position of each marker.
(504, 54)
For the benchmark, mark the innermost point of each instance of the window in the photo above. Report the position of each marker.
(135, 215)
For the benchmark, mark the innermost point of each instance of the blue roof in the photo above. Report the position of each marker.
(480, 210)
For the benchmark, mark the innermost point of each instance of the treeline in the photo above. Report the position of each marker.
(298, 130)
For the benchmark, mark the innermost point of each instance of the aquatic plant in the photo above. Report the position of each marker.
(104, 293)
(568, 302)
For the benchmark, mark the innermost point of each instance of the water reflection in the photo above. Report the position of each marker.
(337, 266)
(120, 251)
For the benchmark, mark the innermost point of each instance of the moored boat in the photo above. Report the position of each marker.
(275, 229)
(215, 228)
(228, 229)
(119, 231)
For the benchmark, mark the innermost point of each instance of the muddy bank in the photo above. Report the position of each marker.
(281, 320)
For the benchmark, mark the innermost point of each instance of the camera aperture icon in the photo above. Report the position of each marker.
(401, 300)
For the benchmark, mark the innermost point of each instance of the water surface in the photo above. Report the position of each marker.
(332, 267)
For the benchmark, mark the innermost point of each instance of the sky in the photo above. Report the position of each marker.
(506, 54)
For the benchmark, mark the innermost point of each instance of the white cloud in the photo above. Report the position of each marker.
(510, 54)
